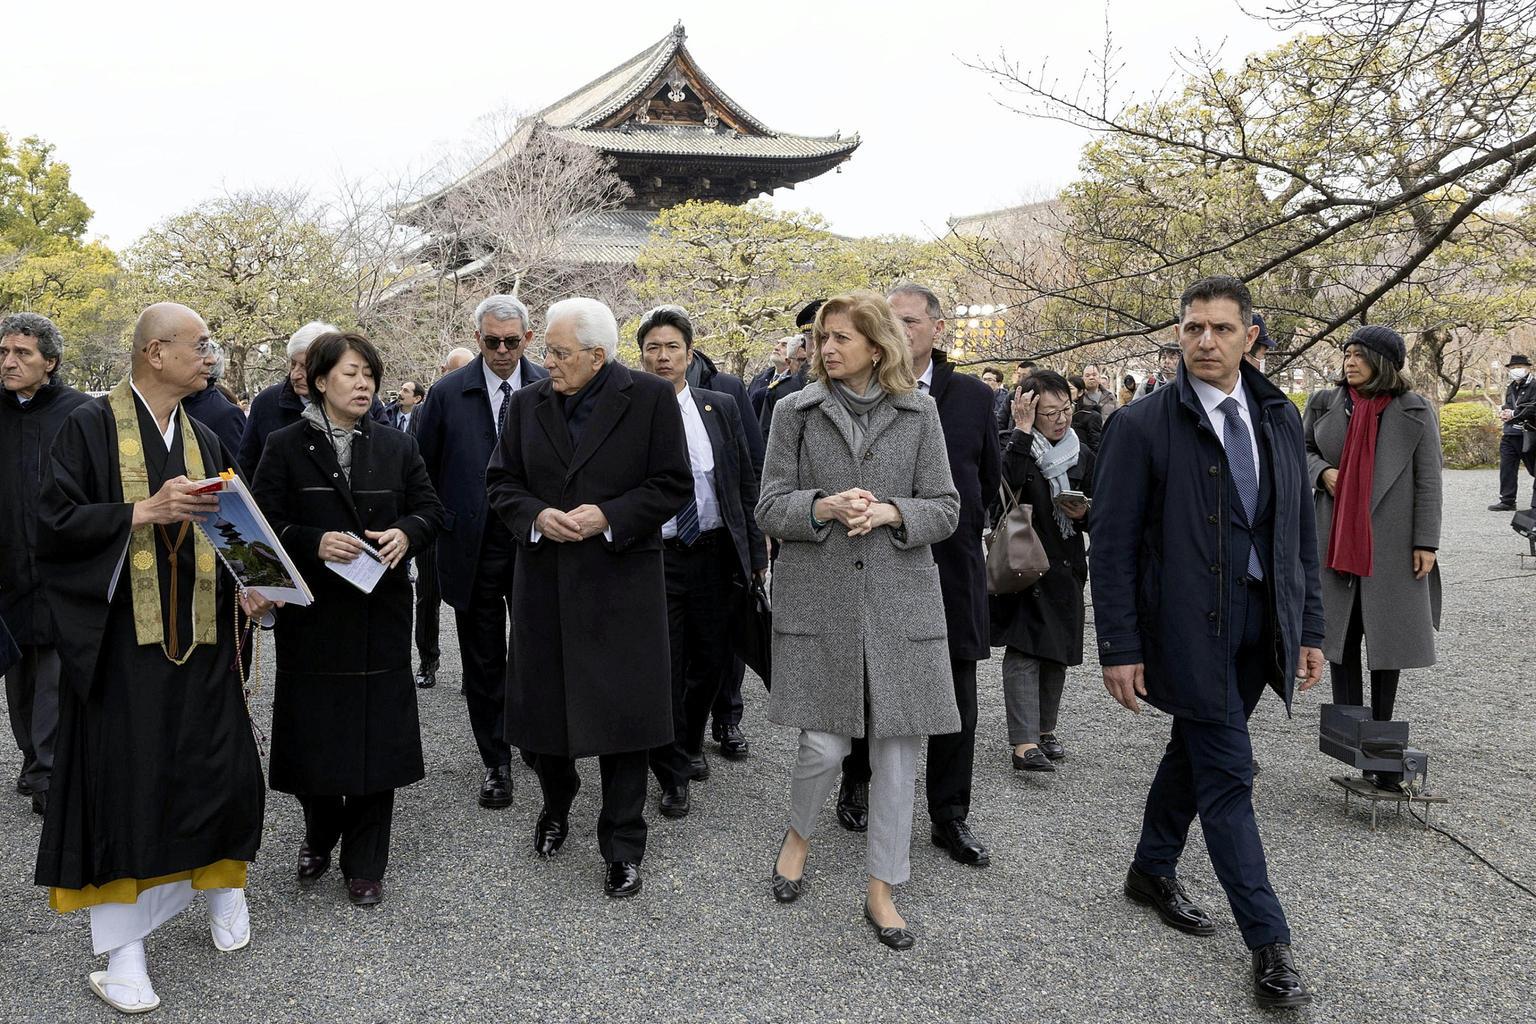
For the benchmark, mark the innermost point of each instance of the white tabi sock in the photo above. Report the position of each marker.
(126, 964)
(229, 918)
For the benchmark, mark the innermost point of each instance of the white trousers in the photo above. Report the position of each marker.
(117, 924)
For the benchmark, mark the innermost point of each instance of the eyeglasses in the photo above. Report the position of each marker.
(561, 354)
(205, 347)
(510, 342)
(1064, 413)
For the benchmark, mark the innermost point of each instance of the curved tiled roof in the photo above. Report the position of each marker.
(692, 140)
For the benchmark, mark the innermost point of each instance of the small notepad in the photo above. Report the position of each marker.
(364, 571)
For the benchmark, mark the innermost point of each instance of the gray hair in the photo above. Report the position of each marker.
(50, 343)
(502, 307)
(305, 336)
(594, 324)
(220, 362)
(793, 344)
(934, 310)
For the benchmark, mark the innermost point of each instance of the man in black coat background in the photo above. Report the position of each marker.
(32, 407)
(1515, 447)
(475, 554)
(965, 412)
(1205, 590)
(213, 409)
(590, 466)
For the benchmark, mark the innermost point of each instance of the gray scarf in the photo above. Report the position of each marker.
(339, 437)
(858, 406)
(1054, 460)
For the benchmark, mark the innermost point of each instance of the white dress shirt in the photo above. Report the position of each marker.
(701, 459)
(1211, 398)
(926, 380)
(493, 386)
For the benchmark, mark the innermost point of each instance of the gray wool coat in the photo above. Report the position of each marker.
(851, 612)
(1398, 611)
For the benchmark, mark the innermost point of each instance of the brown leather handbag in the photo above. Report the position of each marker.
(1016, 559)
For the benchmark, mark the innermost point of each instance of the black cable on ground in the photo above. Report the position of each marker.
(1473, 851)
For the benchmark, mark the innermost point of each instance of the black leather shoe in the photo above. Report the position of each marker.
(548, 835)
(955, 836)
(1032, 761)
(23, 786)
(853, 805)
(1257, 768)
(40, 802)
(1276, 982)
(698, 768)
(426, 676)
(1501, 507)
(1168, 898)
(364, 892)
(1051, 747)
(675, 802)
(496, 790)
(733, 743)
(311, 864)
(786, 890)
(894, 938)
(623, 879)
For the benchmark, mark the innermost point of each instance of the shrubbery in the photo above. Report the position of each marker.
(1469, 435)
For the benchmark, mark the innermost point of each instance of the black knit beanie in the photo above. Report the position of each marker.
(1384, 341)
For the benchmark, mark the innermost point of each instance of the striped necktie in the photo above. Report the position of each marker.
(688, 523)
(501, 413)
(1245, 475)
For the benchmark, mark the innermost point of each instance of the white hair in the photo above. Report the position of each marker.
(220, 363)
(305, 336)
(593, 322)
(792, 344)
(502, 307)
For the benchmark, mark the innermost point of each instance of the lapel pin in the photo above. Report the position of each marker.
(709, 408)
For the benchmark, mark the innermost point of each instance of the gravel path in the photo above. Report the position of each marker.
(1397, 923)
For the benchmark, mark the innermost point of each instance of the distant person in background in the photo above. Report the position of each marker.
(1373, 456)
(1169, 357)
(410, 397)
(1002, 411)
(798, 356)
(1517, 445)
(1259, 350)
(777, 369)
(213, 408)
(1127, 390)
(1096, 394)
(1001, 396)
(1087, 423)
(33, 406)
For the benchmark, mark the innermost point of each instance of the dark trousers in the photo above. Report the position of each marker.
(429, 596)
(950, 756)
(1348, 678)
(360, 823)
(485, 645)
(1511, 457)
(728, 706)
(699, 601)
(621, 823)
(32, 697)
(1207, 770)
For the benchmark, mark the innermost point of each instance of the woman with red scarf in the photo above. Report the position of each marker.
(1373, 454)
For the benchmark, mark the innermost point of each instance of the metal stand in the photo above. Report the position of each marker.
(1354, 786)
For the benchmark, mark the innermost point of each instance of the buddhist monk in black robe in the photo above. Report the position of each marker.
(157, 787)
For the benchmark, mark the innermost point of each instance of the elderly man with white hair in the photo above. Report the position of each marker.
(283, 403)
(213, 409)
(592, 462)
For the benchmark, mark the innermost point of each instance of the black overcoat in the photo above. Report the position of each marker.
(1046, 621)
(457, 436)
(344, 708)
(965, 412)
(272, 409)
(26, 435)
(735, 480)
(589, 619)
(210, 408)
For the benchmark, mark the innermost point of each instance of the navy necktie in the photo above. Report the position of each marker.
(688, 523)
(506, 400)
(1245, 474)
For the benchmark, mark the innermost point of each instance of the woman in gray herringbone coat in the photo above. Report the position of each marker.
(856, 487)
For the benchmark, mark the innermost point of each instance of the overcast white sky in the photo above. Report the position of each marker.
(157, 106)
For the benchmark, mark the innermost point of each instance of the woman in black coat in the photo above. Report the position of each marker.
(345, 734)
(1042, 627)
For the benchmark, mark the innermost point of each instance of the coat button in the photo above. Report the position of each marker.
(859, 564)
(1215, 569)
(1214, 471)
(869, 455)
(1211, 519)
(1211, 616)
(335, 475)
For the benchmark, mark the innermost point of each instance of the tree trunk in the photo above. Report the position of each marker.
(1426, 360)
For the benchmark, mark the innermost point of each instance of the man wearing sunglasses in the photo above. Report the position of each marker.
(457, 430)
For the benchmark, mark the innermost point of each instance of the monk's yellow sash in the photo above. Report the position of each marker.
(148, 624)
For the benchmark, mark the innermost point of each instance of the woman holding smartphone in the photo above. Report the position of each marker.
(1046, 466)
(345, 734)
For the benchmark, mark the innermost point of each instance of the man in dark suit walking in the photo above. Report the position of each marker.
(975, 463)
(1205, 590)
(712, 549)
(403, 409)
(475, 553)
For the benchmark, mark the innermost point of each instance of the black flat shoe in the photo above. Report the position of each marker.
(675, 802)
(955, 837)
(786, 890)
(426, 676)
(1276, 982)
(1032, 761)
(698, 768)
(1501, 507)
(496, 790)
(892, 938)
(853, 805)
(1051, 747)
(364, 892)
(548, 835)
(733, 743)
(312, 865)
(1168, 898)
(623, 879)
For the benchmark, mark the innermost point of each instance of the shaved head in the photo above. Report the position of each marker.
(163, 320)
(457, 358)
